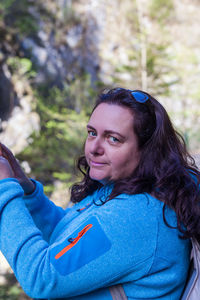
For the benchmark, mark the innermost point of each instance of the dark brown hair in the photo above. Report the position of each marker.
(166, 170)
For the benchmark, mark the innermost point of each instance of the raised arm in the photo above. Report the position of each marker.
(17, 172)
(44, 212)
(83, 256)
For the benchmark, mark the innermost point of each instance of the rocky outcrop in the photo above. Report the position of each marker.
(7, 95)
(18, 120)
(63, 48)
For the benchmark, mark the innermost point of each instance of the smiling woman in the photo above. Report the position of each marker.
(111, 148)
(128, 233)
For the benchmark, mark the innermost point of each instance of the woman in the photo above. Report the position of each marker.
(136, 207)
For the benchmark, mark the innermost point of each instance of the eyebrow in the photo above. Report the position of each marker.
(107, 131)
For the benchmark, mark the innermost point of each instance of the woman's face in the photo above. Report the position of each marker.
(111, 148)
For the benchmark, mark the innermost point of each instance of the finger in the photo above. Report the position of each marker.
(5, 169)
(6, 152)
(3, 153)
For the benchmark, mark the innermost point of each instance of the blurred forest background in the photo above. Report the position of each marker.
(57, 55)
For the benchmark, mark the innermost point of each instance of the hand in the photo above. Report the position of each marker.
(17, 172)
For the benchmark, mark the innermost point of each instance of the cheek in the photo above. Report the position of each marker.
(86, 148)
(120, 160)
(86, 151)
(125, 161)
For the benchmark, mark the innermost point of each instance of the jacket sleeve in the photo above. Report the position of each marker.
(44, 212)
(91, 253)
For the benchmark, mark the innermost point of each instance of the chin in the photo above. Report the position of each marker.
(102, 179)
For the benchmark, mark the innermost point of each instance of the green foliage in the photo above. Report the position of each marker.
(77, 94)
(7, 293)
(159, 69)
(52, 152)
(69, 15)
(22, 66)
(4, 7)
(63, 114)
(26, 24)
(82, 94)
(18, 16)
(12, 291)
(161, 10)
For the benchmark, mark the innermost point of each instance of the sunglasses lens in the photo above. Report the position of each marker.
(140, 97)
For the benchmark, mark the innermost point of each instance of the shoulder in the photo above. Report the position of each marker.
(131, 217)
(138, 215)
(141, 206)
(137, 206)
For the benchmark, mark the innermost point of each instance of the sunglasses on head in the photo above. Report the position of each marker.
(139, 96)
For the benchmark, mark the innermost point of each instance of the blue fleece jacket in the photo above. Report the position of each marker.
(79, 252)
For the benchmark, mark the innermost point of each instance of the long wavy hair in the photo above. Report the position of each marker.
(165, 170)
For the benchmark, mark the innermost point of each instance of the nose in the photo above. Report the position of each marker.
(96, 147)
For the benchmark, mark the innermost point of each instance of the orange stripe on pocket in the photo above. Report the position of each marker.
(75, 241)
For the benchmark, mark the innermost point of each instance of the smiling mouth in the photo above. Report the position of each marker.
(96, 164)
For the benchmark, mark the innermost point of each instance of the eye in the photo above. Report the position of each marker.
(113, 140)
(91, 133)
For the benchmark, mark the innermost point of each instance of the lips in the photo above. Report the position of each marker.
(97, 163)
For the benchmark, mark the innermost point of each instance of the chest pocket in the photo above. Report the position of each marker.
(84, 245)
